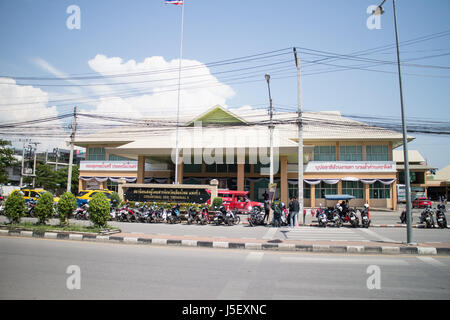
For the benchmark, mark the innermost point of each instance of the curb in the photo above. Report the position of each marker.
(282, 247)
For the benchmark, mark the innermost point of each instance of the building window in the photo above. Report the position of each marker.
(380, 191)
(116, 158)
(113, 186)
(221, 168)
(293, 190)
(196, 168)
(354, 188)
(324, 188)
(96, 153)
(325, 153)
(377, 153)
(350, 153)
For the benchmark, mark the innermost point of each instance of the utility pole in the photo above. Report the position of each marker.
(23, 161)
(270, 128)
(34, 163)
(72, 141)
(300, 137)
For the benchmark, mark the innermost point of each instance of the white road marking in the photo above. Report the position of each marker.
(270, 233)
(432, 261)
(359, 260)
(254, 257)
(374, 234)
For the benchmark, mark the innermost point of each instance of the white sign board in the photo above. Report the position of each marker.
(351, 166)
(108, 166)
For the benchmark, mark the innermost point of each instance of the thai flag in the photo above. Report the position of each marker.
(177, 2)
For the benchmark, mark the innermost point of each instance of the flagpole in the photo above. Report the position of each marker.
(179, 92)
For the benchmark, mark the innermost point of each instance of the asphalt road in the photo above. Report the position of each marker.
(36, 269)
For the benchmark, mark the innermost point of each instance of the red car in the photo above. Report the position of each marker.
(236, 200)
(421, 202)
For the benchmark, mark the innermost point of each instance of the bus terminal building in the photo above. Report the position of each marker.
(341, 155)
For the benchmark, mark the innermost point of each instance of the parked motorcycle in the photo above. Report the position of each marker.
(191, 215)
(426, 217)
(82, 213)
(205, 214)
(440, 216)
(142, 213)
(353, 218)
(403, 217)
(255, 217)
(321, 217)
(113, 210)
(173, 215)
(220, 216)
(125, 214)
(30, 208)
(365, 221)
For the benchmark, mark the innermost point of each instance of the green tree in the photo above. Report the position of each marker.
(99, 209)
(15, 207)
(44, 207)
(66, 205)
(6, 160)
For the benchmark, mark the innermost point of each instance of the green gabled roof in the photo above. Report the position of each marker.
(218, 115)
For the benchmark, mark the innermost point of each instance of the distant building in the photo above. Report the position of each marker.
(418, 168)
(439, 184)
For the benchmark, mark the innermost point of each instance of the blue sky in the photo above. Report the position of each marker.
(32, 31)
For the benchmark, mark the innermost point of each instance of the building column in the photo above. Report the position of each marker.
(240, 171)
(313, 196)
(141, 169)
(284, 188)
(240, 177)
(339, 187)
(394, 195)
(366, 193)
(252, 190)
(80, 185)
(180, 170)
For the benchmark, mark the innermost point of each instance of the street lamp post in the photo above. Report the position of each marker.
(380, 11)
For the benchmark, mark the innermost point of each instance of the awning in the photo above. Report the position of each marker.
(103, 179)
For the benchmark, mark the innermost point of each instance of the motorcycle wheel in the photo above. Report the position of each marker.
(237, 220)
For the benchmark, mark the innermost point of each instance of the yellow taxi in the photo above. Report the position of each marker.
(84, 195)
(34, 194)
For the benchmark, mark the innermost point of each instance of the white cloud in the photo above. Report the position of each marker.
(151, 87)
(26, 103)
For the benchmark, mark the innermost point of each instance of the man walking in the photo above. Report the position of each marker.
(294, 207)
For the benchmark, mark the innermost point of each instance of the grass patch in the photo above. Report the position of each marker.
(30, 226)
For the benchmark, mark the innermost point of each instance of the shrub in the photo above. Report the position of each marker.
(15, 207)
(115, 196)
(99, 209)
(217, 202)
(66, 205)
(44, 207)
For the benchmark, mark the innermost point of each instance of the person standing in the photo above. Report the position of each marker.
(277, 208)
(294, 207)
